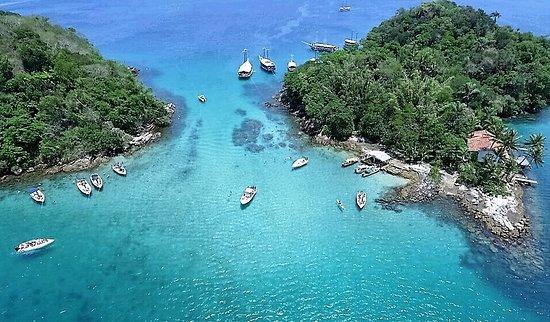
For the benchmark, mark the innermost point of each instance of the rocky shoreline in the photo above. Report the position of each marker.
(504, 217)
(149, 135)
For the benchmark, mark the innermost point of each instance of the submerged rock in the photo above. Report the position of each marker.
(247, 135)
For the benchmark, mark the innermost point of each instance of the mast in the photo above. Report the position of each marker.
(245, 55)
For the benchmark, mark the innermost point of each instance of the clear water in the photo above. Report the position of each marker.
(170, 241)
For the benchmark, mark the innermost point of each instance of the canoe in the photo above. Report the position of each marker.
(300, 162)
(119, 169)
(340, 204)
(96, 181)
(350, 161)
(361, 199)
(84, 186)
(33, 244)
(38, 196)
(248, 194)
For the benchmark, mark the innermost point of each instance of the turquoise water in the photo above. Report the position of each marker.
(170, 241)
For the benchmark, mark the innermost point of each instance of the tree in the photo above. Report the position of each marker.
(495, 15)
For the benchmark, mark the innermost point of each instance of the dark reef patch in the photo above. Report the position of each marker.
(267, 137)
(247, 135)
(240, 112)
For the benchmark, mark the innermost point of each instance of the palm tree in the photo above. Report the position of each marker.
(535, 149)
(509, 143)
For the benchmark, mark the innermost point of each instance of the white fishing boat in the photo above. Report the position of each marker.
(340, 204)
(37, 195)
(298, 163)
(350, 161)
(292, 64)
(248, 195)
(245, 70)
(119, 169)
(33, 245)
(96, 181)
(84, 186)
(361, 199)
(345, 8)
(266, 63)
(202, 98)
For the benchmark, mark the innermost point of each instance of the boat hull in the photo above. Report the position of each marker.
(33, 245)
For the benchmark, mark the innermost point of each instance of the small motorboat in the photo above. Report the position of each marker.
(266, 63)
(96, 181)
(300, 162)
(340, 204)
(84, 186)
(370, 171)
(37, 195)
(33, 245)
(119, 169)
(245, 70)
(202, 98)
(345, 8)
(362, 168)
(361, 199)
(248, 195)
(292, 64)
(350, 161)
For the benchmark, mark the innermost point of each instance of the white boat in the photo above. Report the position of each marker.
(245, 70)
(267, 64)
(321, 47)
(96, 181)
(37, 195)
(292, 64)
(361, 199)
(298, 163)
(84, 186)
(362, 168)
(350, 161)
(33, 245)
(119, 169)
(202, 98)
(248, 194)
(340, 204)
(345, 8)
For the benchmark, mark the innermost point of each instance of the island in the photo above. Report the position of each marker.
(433, 87)
(62, 105)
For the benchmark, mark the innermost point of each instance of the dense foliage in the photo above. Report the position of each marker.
(60, 100)
(424, 80)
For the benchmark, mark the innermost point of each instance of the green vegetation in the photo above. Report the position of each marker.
(60, 100)
(423, 81)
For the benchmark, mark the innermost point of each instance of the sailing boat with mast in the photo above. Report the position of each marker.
(266, 63)
(245, 70)
(351, 43)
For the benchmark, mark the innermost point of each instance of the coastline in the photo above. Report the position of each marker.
(149, 135)
(505, 218)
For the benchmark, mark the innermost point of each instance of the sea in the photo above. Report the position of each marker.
(171, 242)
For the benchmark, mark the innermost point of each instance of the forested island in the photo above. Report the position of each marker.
(60, 100)
(423, 81)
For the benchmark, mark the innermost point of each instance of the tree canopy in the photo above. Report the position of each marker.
(423, 80)
(60, 100)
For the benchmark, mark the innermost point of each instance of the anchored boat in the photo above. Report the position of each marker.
(266, 63)
(96, 181)
(350, 161)
(37, 195)
(345, 8)
(292, 64)
(351, 43)
(119, 169)
(84, 186)
(202, 98)
(340, 204)
(300, 162)
(33, 244)
(248, 194)
(245, 70)
(361, 199)
(319, 46)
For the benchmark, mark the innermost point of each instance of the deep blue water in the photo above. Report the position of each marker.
(170, 241)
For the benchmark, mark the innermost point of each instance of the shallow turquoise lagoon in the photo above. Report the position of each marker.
(171, 242)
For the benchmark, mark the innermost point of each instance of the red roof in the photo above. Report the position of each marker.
(482, 140)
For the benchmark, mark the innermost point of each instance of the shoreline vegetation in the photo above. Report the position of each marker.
(433, 87)
(63, 107)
